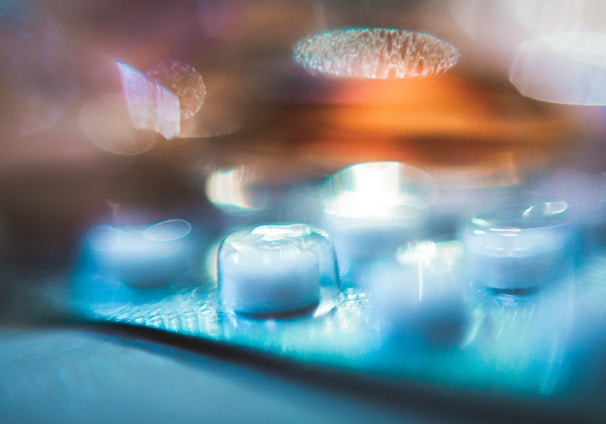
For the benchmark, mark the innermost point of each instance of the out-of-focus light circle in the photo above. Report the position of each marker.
(106, 122)
(567, 68)
(184, 81)
(377, 53)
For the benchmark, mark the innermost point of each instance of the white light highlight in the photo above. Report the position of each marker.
(381, 191)
(233, 191)
(370, 208)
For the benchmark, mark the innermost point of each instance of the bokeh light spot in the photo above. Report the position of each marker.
(377, 53)
(184, 81)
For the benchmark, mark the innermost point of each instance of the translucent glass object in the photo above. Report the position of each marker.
(275, 269)
(377, 53)
(139, 256)
(406, 322)
(520, 246)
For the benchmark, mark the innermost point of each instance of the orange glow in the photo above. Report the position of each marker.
(448, 106)
(477, 129)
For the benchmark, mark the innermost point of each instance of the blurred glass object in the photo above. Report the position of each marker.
(39, 78)
(375, 53)
(520, 245)
(419, 297)
(371, 208)
(276, 270)
(568, 68)
(184, 81)
(139, 256)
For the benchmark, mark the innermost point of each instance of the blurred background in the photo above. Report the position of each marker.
(134, 112)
